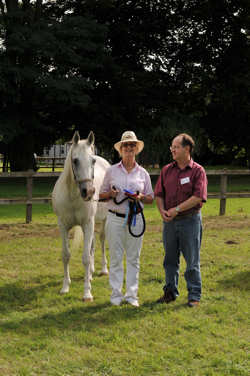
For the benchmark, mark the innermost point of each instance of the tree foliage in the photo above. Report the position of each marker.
(154, 66)
(47, 60)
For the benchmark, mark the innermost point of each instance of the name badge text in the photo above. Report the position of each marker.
(185, 180)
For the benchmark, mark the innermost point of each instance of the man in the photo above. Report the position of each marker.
(180, 192)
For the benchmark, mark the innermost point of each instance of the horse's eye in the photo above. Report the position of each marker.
(93, 161)
(75, 161)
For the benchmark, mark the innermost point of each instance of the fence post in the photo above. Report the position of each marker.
(223, 191)
(29, 197)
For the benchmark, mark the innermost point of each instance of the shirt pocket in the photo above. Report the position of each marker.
(186, 190)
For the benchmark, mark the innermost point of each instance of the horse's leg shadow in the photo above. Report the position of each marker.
(92, 258)
(102, 241)
(88, 230)
(65, 257)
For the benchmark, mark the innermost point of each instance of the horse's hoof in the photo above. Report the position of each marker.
(64, 291)
(87, 299)
(104, 273)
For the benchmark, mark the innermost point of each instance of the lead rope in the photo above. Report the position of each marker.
(133, 209)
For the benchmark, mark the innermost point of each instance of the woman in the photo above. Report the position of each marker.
(125, 175)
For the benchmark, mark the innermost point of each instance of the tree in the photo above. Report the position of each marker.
(153, 66)
(228, 112)
(46, 57)
(164, 60)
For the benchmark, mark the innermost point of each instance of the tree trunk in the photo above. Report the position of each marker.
(5, 162)
(21, 154)
(248, 158)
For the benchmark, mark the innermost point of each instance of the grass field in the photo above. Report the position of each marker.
(44, 333)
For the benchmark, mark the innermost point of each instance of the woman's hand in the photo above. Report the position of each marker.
(114, 192)
(141, 197)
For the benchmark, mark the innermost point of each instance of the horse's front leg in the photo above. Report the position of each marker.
(65, 257)
(102, 240)
(88, 230)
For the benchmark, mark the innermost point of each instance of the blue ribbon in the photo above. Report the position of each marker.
(134, 215)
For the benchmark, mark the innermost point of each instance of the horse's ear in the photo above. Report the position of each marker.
(91, 138)
(76, 138)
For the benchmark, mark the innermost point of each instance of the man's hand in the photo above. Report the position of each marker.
(165, 216)
(172, 213)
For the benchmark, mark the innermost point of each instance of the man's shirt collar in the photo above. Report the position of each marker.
(189, 165)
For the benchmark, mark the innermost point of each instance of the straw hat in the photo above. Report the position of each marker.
(129, 136)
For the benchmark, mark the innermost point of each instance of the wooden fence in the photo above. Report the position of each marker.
(30, 200)
(50, 162)
(42, 162)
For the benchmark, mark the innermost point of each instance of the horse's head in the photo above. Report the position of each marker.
(82, 162)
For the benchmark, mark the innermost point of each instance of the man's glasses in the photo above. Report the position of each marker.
(174, 148)
(127, 144)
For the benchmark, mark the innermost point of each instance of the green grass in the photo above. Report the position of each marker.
(13, 188)
(235, 183)
(44, 333)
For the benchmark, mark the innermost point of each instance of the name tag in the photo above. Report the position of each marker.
(185, 180)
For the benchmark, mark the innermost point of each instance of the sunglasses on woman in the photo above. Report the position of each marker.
(131, 144)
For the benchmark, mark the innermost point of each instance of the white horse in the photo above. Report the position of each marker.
(75, 202)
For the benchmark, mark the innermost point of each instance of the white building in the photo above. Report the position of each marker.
(56, 151)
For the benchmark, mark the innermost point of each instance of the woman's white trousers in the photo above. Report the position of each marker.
(120, 241)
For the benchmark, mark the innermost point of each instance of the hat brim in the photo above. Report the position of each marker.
(140, 145)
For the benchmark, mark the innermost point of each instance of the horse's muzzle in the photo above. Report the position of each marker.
(87, 191)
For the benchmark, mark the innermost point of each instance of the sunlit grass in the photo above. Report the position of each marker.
(44, 333)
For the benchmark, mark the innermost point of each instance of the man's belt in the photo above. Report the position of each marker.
(183, 216)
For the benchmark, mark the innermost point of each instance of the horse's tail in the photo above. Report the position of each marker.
(77, 237)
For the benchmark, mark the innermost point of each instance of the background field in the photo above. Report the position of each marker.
(13, 188)
(44, 333)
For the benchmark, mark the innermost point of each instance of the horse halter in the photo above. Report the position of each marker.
(87, 180)
(74, 174)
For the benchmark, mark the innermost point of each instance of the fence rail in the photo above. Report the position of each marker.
(42, 162)
(30, 175)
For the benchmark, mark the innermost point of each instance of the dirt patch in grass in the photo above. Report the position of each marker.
(220, 223)
(213, 223)
(10, 231)
(22, 230)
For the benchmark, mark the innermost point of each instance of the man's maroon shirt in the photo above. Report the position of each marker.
(177, 185)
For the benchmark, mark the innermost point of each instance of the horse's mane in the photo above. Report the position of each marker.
(67, 171)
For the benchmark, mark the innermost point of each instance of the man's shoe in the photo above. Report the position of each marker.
(167, 297)
(193, 303)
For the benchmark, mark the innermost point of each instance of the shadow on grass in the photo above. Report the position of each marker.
(83, 316)
(17, 296)
(33, 312)
(14, 296)
(239, 280)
